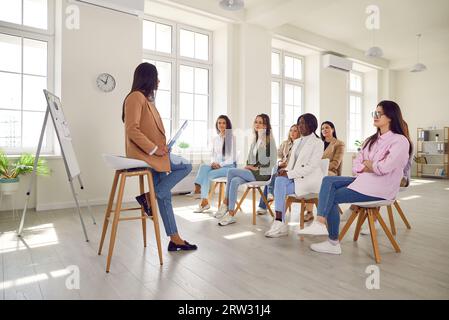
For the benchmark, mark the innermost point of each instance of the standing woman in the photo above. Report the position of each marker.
(145, 140)
(334, 150)
(302, 175)
(223, 158)
(379, 168)
(284, 152)
(259, 166)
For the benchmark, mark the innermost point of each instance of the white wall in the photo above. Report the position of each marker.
(424, 97)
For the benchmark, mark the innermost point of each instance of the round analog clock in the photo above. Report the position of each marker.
(106, 82)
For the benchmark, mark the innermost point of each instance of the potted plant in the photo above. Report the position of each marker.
(10, 171)
(358, 144)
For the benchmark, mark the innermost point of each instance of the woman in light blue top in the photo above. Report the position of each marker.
(223, 158)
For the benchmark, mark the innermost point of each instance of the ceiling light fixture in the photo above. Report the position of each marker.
(232, 5)
(374, 51)
(418, 67)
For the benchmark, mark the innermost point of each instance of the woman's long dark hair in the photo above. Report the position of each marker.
(397, 125)
(145, 81)
(228, 134)
(266, 121)
(310, 121)
(330, 124)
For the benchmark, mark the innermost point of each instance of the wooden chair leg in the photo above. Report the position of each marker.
(108, 210)
(239, 204)
(387, 232)
(288, 209)
(371, 214)
(347, 225)
(220, 194)
(339, 210)
(210, 196)
(254, 206)
(301, 217)
(391, 218)
(362, 217)
(401, 213)
(157, 232)
(118, 208)
(265, 201)
(142, 211)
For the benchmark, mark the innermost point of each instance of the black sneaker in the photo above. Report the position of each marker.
(181, 247)
(142, 200)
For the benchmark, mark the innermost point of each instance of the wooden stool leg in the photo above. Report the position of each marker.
(108, 211)
(264, 199)
(157, 233)
(220, 194)
(223, 191)
(387, 232)
(211, 192)
(144, 216)
(254, 206)
(118, 208)
(360, 222)
(401, 213)
(339, 210)
(288, 209)
(239, 204)
(390, 216)
(348, 225)
(301, 217)
(373, 232)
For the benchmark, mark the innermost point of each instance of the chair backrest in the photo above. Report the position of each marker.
(325, 166)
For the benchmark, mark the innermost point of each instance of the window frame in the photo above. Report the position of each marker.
(44, 35)
(283, 80)
(176, 61)
(357, 94)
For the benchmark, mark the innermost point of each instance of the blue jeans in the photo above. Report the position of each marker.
(206, 174)
(235, 178)
(282, 188)
(163, 183)
(268, 189)
(334, 190)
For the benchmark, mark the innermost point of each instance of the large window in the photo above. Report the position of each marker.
(182, 55)
(287, 92)
(25, 68)
(355, 128)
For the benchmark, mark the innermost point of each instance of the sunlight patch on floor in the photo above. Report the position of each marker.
(239, 235)
(33, 237)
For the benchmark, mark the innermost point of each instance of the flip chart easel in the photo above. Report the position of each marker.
(54, 109)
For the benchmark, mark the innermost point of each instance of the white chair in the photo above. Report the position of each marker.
(253, 186)
(221, 183)
(305, 199)
(370, 211)
(401, 214)
(125, 168)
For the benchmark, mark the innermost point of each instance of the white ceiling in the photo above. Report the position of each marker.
(344, 21)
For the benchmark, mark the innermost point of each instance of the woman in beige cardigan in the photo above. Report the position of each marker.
(334, 150)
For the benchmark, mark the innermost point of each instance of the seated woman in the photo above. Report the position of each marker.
(284, 152)
(303, 174)
(223, 158)
(379, 168)
(334, 150)
(145, 140)
(260, 163)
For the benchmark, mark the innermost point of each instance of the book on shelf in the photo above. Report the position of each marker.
(440, 172)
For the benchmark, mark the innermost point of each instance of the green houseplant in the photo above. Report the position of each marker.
(10, 171)
(358, 144)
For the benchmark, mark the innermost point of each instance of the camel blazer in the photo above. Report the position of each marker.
(144, 130)
(335, 152)
(306, 171)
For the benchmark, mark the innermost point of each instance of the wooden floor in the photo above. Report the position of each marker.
(234, 262)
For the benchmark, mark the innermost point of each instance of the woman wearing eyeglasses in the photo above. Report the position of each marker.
(379, 168)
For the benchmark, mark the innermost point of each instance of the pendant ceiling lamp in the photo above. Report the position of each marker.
(232, 5)
(418, 67)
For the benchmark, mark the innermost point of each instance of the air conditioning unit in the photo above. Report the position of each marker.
(132, 7)
(335, 62)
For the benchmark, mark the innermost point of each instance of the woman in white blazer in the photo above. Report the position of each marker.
(303, 174)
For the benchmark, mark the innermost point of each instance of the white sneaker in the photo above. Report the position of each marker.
(278, 229)
(365, 230)
(221, 211)
(261, 212)
(227, 220)
(346, 214)
(201, 209)
(315, 229)
(326, 247)
(194, 195)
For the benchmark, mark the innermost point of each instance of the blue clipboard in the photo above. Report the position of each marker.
(173, 140)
